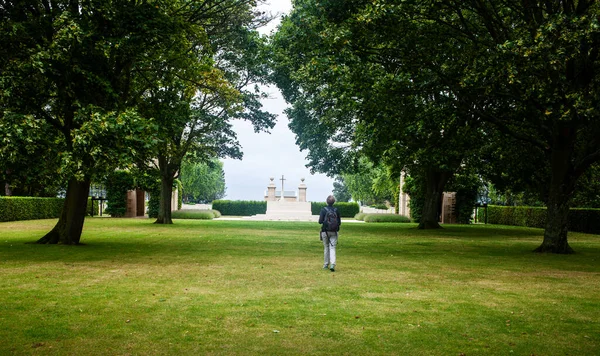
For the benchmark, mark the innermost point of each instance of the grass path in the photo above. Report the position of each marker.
(237, 287)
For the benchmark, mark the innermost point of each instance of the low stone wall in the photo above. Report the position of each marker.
(369, 210)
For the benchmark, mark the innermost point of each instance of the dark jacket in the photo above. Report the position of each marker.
(324, 212)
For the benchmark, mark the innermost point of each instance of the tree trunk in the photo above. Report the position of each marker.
(68, 229)
(562, 186)
(166, 192)
(435, 182)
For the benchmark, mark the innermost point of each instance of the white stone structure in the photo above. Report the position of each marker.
(403, 199)
(273, 194)
(286, 206)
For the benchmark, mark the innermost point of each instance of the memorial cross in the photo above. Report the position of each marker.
(282, 194)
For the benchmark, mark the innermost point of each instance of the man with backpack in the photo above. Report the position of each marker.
(331, 221)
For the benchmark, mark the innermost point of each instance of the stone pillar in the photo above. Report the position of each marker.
(174, 199)
(449, 208)
(271, 190)
(131, 211)
(302, 191)
(404, 199)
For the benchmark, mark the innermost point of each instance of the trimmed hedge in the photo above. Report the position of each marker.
(580, 220)
(30, 208)
(347, 210)
(240, 207)
(193, 214)
(391, 218)
(380, 206)
(360, 216)
(34, 208)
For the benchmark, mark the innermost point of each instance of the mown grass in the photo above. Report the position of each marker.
(248, 287)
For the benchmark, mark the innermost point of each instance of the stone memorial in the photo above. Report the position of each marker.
(286, 204)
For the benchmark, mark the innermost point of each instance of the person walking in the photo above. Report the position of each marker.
(330, 221)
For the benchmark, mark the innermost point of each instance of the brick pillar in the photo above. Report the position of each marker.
(140, 202)
(271, 190)
(131, 204)
(302, 191)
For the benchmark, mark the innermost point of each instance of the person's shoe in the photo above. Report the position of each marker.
(332, 268)
(325, 266)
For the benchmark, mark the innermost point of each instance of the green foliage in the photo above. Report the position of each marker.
(117, 184)
(347, 210)
(216, 213)
(380, 206)
(193, 214)
(580, 220)
(466, 187)
(30, 208)
(369, 183)
(514, 215)
(149, 181)
(154, 204)
(415, 189)
(95, 205)
(587, 191)
(240, 207)
(388, 218)
(203, 182)
(360, 216)
(340, 191)
(585, 220)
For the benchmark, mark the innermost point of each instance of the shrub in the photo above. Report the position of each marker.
(240, 207)
(216, 213)
(380, 206)
(393, 218)
(89, 208)
(579, 220)
(360, 216)
(347, 210)
(30, 208)
(117, 184)
(193, 214)
(585, 220)
(515, 215)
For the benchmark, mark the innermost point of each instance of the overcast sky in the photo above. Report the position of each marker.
(271, 155)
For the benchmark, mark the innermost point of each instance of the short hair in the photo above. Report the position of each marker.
(330, 200)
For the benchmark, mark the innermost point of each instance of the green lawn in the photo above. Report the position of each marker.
(248, 287)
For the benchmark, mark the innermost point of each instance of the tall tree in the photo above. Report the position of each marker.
(354, 74)
(203, 182)
(533, 72)
(78, 68)
(194, 108)
(340, 190)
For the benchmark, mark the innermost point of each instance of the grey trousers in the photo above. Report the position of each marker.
(330, 240)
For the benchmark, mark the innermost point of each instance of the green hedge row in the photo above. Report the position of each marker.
(32, 208)
(194, 214)
(240, 207)
(580, 220)
(347, 210)
(29, 208)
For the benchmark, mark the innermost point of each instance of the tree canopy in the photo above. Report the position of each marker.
(76, 71)
(203, 182)
(426, 83)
